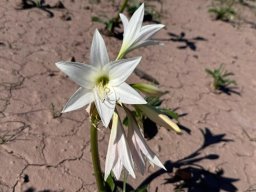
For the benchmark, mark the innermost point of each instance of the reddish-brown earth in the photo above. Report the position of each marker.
(45, 153)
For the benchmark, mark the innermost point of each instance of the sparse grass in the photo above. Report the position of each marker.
(223, 10)
(130, 6)
(223, 13)
(150, 12)
(220, 77)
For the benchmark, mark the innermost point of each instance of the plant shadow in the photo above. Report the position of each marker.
(30, 4)
(186, 42)
(31, 189)
(228, 90)
(187, 175)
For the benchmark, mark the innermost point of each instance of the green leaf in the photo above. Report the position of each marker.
(97, 19)
(154, 101)
(170, 113)
(142, 189)
(111, 183)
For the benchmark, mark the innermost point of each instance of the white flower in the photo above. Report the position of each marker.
(139, 147)
(118, 154)
(101, 82)
(134, 34)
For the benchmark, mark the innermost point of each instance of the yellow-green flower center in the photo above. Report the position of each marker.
(102, 80)
(102, 87)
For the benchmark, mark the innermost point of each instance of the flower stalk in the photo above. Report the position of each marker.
(121, 10)
(94, 150)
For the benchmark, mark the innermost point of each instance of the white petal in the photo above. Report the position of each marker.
(124, 151)
(124, 21)
(135, 150)
(105, 108)
(147, 32)
(126, 94)
(120, 70)
(78, 72)
(140, 141)
(99, 54)
(117, 169)
(112, 153)
(79, 99)
(145, 148)
(134, 26)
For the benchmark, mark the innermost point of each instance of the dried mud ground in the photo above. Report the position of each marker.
(42, 153)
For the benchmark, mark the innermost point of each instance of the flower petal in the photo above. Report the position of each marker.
(123, 155)
(112, 153)
(79, 99)
(144, 44)
(139, 140)
(134, 26)
(134, 147)
(124, 151)
(105, 108)
(118, 167)
(147, 32)
(124, 21)
(78, 72)
(120, 70)
(99, 55)
(126, 94)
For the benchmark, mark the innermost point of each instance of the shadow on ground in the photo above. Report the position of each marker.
(186, 175)
(29, 4)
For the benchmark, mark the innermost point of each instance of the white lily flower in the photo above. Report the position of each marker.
(136, 35)
(139, 147)
(102, 82)
(118, 154)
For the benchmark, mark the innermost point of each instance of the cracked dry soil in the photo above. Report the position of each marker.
(41, 153)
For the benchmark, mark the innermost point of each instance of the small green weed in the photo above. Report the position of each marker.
(221, 79)
(130, 6)
(223, 13)
(223, 10)
(150, 12)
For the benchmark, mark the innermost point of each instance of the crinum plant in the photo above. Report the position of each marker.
(104, 90)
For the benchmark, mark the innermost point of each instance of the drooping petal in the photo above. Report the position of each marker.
(120, 70)
(126, 94)
(140, 142)
(135, 149)
(105, 108)
(134, 26)
(99, 55)
(123, 150)
(112, 153)
(124, 21)
(78, 72)
(118, 155)
(118, 167)
(79, 99)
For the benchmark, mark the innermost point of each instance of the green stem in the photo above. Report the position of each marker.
(121, 9)
(95, 153)
(125, 181)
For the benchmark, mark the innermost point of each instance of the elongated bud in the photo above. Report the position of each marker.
(158, 118)
(148, 89)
